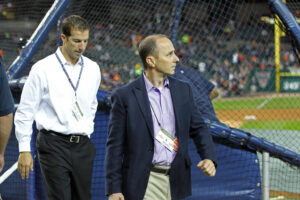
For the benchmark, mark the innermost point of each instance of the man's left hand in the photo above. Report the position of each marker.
(207, 167)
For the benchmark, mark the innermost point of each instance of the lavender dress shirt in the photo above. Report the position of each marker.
(162, 111)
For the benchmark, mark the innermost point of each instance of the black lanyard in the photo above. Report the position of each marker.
(69, 79)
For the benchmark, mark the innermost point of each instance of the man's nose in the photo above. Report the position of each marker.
(176, 59)
(81, 45)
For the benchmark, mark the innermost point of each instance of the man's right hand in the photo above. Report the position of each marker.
(116, 196)
(25, 163)
(1, 161)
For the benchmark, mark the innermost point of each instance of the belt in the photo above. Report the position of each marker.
(160, 170)
(73, 138)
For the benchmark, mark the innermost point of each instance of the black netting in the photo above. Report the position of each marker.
(229, 42)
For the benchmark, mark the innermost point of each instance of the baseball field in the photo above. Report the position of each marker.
(272, 112)
(275, 117)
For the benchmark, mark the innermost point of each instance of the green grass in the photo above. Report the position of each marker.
(272, 125)
(283, 103)
(252, 103)
(262, 103)
(237, 104)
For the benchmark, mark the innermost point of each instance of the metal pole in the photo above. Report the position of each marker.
(37, 38)
(59, 24)
(277, 33)
(265, 176)
(178, 5)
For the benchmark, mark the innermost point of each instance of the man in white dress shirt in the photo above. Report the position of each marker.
(60, 96)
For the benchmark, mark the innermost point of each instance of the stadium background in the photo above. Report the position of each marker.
(229, 42)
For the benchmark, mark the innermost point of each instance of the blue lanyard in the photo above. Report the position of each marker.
(69, 79)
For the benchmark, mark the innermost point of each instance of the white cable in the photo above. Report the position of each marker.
(8, 172)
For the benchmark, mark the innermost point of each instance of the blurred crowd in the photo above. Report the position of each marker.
(224, 51)
(225, 60)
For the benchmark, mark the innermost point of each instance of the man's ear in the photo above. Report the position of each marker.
(150, 61)
(63, 37)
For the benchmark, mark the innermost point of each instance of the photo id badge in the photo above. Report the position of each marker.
(77, 111)
(167, 140)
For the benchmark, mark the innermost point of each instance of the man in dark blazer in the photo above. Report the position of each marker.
(150, 124)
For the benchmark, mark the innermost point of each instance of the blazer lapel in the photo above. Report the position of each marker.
(175, 94)
(143, 101)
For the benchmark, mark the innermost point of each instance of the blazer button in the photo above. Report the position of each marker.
(151, 150)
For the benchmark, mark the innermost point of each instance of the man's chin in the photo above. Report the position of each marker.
(76, 57)
(77, 54)
(172, 71)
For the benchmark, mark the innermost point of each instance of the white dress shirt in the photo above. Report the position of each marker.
(48, 98)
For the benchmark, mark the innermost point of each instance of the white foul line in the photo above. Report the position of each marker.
(263, 103)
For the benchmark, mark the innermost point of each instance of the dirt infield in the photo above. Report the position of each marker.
(283, 194)
(235, 118)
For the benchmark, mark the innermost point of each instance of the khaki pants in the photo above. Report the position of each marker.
(158, 187)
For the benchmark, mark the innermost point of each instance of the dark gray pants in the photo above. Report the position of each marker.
(66, 166)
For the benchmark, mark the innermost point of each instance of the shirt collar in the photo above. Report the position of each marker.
(150, 86)
(63, 60)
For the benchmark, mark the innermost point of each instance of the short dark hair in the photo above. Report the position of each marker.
(75, 22)
(148, 47)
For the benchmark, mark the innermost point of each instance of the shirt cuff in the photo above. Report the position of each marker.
(24, 147)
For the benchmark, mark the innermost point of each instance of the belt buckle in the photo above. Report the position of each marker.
(75, 138)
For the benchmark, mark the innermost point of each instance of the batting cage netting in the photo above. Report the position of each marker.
(243, 47)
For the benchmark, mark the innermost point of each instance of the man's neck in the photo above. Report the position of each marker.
(157, 79)
(67, 57)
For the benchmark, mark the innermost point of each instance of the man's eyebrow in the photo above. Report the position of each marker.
(80, 39)
(172, 51)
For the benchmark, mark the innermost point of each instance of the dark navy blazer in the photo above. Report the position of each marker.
(130, 144)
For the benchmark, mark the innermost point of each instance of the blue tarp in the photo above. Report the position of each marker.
(237, 176)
